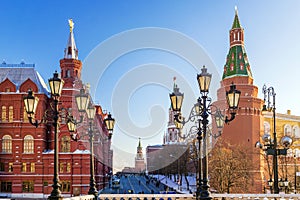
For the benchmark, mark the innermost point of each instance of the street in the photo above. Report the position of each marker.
(136, 184)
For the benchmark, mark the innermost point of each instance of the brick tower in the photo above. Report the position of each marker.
(245, 129)
(139, 159)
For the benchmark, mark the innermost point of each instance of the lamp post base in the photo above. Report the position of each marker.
(94, 192)
(55, 198)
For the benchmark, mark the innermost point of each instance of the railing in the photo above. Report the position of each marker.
(84, 197)
(145, 196)
(189, 196)
(180, 197)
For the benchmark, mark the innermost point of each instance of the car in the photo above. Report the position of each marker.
(115, 182)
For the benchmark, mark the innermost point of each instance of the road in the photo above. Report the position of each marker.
(136, 184)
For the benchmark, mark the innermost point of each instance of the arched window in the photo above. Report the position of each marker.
(68, 167)
(297, 153)
(65, 144)
(28, 144)
(6, 144)
(296, 131)
(10, 113)
(3, 115)
(68, 73)
(266, 127)
(288, 130)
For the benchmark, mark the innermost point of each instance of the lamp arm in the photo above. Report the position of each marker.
(70, 118)
(192, 116)
(214, 135)
(36, 123)
(232, 117)
(192, 132)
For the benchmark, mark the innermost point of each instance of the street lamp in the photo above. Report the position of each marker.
(30, 102)
(110, 123)
(201, 111)
(83, 104)
(270, 146)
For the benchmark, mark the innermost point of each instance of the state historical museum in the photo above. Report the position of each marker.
(27, 153)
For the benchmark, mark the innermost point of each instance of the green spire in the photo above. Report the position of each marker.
(140, 146)
(236, 21)
(237, 63)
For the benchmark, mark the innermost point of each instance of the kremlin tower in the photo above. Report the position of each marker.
(245, 129)
(139, 159)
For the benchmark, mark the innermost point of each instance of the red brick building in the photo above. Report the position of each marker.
(26, 152)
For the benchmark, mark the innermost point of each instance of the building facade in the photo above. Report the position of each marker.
(27, 152)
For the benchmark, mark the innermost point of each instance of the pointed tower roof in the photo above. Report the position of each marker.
(139, 146)
(236, 21)
(237, 63)
(71, 52)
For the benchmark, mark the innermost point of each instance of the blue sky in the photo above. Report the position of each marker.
(37, 31)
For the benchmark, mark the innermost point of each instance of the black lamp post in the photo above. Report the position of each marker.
(270, 146)
(110, 123)
(201, 111)
(31, 102)
(82, 101)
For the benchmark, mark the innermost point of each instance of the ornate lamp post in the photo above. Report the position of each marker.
(31, 102)
(110, 123)
(82, 101)
(201, 110)
(270, 146)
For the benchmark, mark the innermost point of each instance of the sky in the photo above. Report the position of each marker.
(131, 50)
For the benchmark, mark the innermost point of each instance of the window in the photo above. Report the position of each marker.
(65, 144)
(296, 131)
(23, 167)
(2, 167)
(61, 167)
(297, 153)
(266, 128)
(67, 74)
(241, 66)
(7, 89)
(27, 186)
(3, 116)
(68, 167)
(32, 167)
(10, 113)
(10, 167)
(288, 130)
(65, 186)
(231, 67)
(6, 186)
(6, 144)
(28, 144)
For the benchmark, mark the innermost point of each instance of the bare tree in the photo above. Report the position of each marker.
(229, 168)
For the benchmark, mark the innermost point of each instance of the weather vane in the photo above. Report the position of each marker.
(71, 24)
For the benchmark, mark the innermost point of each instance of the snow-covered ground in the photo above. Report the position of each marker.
(180, 188)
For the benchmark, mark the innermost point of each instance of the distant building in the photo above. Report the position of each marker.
(140, 165)
(174, 145)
